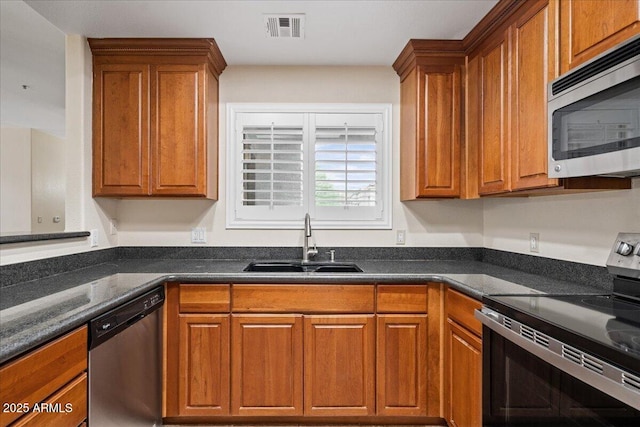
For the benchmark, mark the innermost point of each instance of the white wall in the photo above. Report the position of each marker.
(579, 227)
(15, 179)
(48, 176)
(32, 183)
(81, 211)
(168, 222)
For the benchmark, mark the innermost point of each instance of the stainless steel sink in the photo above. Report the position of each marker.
(302, 267)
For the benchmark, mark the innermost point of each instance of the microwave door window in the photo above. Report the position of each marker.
(605, 122)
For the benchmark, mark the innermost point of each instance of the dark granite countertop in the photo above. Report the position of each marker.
(34, 312)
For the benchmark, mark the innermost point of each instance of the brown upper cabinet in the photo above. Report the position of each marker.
(500, 146)
(492, 108)
(155, 117)
(430, 110)
(590, 27)
(508, 71)
(507, 103)
(533, 48)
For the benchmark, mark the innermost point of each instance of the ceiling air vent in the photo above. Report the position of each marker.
(284, 26)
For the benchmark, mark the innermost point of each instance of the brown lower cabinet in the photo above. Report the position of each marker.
(47, 386)
(203, 363)
(325, 353)
(463, 361)
(266, 374)
(402, 365)
(339, 365)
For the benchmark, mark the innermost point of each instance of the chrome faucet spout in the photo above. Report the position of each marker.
(307, 225)
(306, 252)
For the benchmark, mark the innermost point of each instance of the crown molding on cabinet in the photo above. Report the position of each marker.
(418, 50)
(161, 46)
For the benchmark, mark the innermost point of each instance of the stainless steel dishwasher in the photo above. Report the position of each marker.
(125, 367)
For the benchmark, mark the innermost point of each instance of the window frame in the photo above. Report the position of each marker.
(234, 183)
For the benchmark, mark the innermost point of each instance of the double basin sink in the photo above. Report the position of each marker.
(302, 267)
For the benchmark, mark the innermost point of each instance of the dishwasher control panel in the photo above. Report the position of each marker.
(118, 319)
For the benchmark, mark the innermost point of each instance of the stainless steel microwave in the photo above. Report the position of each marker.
(594, 116)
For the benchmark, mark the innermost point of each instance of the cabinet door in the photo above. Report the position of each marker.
(339, 365)
(430, 132)
(72, 401)
(493, 149)
(463, 376)
(589, 27)
(37, 375)
(179, 147)
(121, 130)
(533, 50)
(473, 127)
(402, 365)
(267, 365)
(203, 380)
(438, 149)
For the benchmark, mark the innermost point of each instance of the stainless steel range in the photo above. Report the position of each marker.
(566, 359)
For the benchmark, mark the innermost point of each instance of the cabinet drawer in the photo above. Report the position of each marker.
(204, 298)
(66, 408)
(37, 375)
(402, 299)
(460, 308)
(303, 298)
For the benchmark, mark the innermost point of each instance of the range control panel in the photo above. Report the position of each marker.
(624, 259)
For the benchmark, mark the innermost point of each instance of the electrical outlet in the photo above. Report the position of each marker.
(534, 242)
(94, 237)
(401, 237)
(113, 227)
(198, 235)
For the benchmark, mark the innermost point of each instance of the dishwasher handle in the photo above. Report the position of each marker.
(136, 319)
(113, 322)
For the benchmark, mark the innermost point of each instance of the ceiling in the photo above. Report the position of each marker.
(337, 32)
(31, 54)
(356, 32)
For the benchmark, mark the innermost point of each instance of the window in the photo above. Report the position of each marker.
(332, 161)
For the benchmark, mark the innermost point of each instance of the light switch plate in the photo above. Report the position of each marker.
(94, 237)
(198, 235)
(113, 227)
(534, 242)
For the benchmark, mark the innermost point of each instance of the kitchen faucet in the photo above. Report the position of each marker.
(306, 252)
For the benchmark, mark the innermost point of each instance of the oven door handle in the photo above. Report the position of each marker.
(599, 374)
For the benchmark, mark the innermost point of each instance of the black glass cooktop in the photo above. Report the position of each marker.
(604, 325)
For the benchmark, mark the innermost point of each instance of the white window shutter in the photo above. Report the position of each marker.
(272, 165)
(347, 163)
(270, 173)
(330, 160)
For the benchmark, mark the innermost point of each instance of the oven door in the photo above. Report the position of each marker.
(523, 389)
